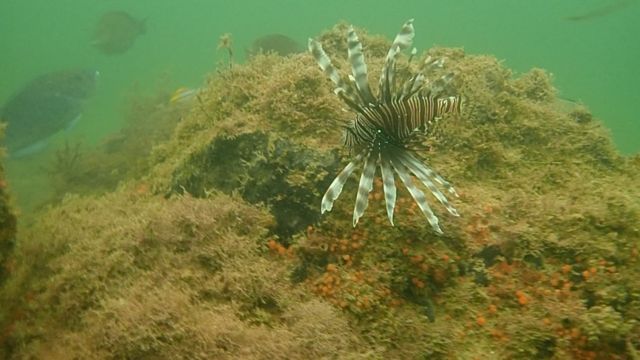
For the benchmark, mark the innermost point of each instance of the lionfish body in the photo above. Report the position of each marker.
(388, 126)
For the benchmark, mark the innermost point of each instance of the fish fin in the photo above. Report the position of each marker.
(389, 186)
(424, 173)
(183, 95)
(365, 187)
(29, 150)
(402, 40)
(342, 88)
(359, 67)
(73, 123)
(416, 194)
(335, 188)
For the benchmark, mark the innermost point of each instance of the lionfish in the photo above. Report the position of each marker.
(389, 128)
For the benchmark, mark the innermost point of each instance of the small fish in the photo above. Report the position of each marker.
(601, 11)
(275, 43)
(182, 95)
(116, 32)
(48, 104)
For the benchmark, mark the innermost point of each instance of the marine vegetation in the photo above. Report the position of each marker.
(224, 254)
(388, 128)
(66, 161)
(149, 119)
(225, 43)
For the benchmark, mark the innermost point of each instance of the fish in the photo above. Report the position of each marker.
(116, 32)
(601, 11)
(45, 106)
(183, 95)
(389, 126)
(279, 44)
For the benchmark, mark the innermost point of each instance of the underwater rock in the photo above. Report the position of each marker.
(181, 278)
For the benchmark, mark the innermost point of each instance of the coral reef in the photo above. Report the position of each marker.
(225, 253)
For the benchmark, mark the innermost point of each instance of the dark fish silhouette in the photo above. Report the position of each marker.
(601, 11)
(116, 32)
(276, 43)
(46, 105)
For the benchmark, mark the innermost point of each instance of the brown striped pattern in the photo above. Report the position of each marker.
(398, 119)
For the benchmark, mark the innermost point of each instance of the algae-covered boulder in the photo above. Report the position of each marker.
(129, 276)
(225, 255)
(549, 208)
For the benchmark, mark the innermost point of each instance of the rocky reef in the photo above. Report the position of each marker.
(224, 254)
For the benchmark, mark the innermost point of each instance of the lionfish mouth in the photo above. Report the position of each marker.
(387, 126)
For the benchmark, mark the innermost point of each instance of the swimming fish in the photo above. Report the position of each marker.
(116, 32)
(43, 107)
(601, 11)
(277, 43)
(182, 95)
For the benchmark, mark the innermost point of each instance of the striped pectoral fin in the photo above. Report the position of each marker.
(417, 195)
(422, 172)
(364, 188)
(336, 186)
(389, 186)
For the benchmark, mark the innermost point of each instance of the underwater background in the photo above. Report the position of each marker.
(594, 60)
(180, 217)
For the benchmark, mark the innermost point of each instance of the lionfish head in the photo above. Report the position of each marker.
(387, 124)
